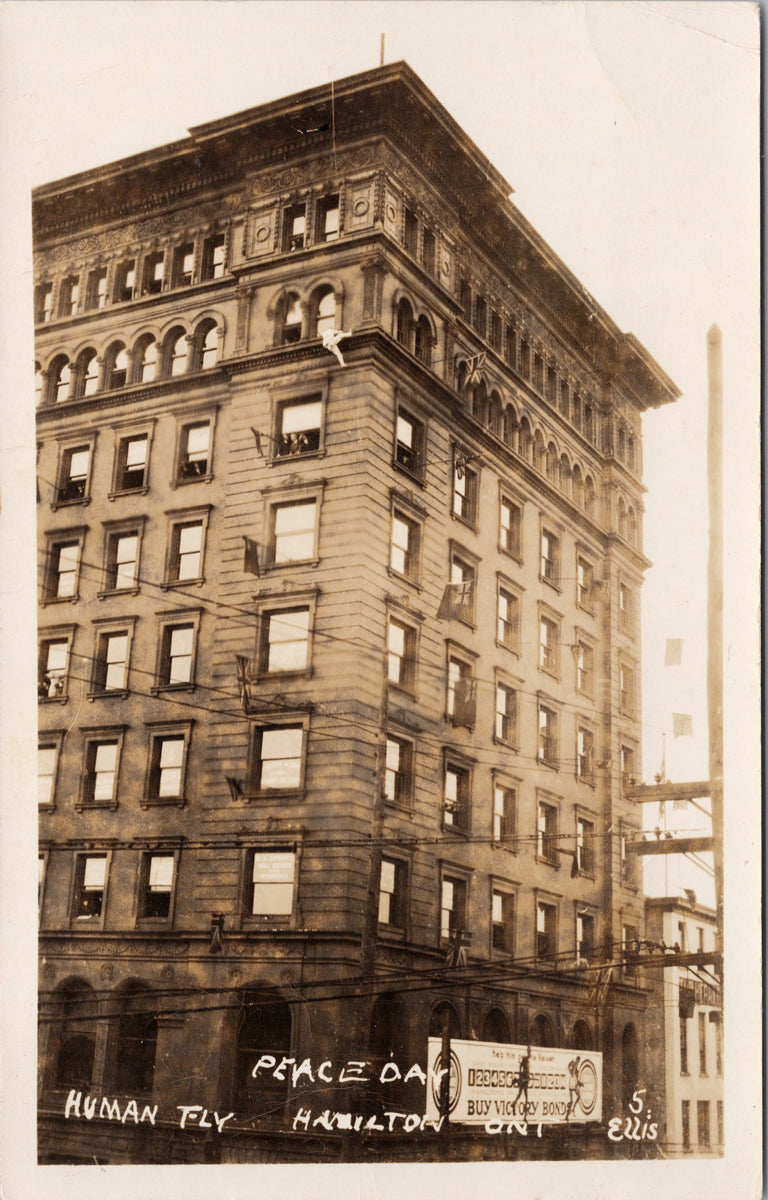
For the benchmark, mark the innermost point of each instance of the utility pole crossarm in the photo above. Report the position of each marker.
(671, 845)
(646, 792)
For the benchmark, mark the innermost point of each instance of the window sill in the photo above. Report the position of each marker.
(391, 932)
(402, 807)
(138, 491)
(553, 583)
(590, 783)
(506, 646)
(275, 794)
(60, 600)
(79, 924)
(69, 503)
(417, 479)
(467, 522)
(255, 922)
(81, 805)
(546, 762)
(163, 801)
(160, 688)
(170, 584)
(401, 690)
(153, 922)
(460, 833)
(553, 673)
(393, 574)
(183, 481)
(62, 699)
(271, 567)
(107, 693)
(548, 862)
(587, 608)
(105, 595)
(277, 460)
(47, 807)
(279, 676)
(513, 554)
(507, 743)
(505, 843)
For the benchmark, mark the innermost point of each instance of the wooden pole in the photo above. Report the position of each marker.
(715, 606)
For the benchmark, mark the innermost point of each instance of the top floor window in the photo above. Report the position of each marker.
(183, 265)
(68, 296)
(294, 227)
(96, 291)
(213, 257)
(125, 280)
(327, 228)
(411, 231)
(409, 443)
(152, 274)
(428, 251)
(43, 303)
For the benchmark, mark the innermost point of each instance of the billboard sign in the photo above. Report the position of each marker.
(491, 1081)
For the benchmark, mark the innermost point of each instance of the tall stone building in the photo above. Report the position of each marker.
(339, 639)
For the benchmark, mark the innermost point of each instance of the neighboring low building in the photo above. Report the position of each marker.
(684, 1055)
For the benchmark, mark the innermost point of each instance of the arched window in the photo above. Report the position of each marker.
(566, 479)
(629, 1063)
(621, 444)
(115, 367)
(289, 318)
(264, 1027)
(324, 311)
(588, 424)
(75, 1007)
(461, 377)
(437, 1020)
(539, 452)
(576, 410)
(60, 379)
(480, 402)
(206, 346)
(38, 385)
(145, 359)
(495, 414)
(525, 441)
(175, 352)
(541, 1032)
(631, 533)
(589, 496)
(630, 452)
(88, 372)
(136, 1041)
(565, 398)
(495, 1027)
(423, 341)
(404, 329)
(510, 427)
(578, 486)
(622, 516)
(581, 1038)
(552, 462)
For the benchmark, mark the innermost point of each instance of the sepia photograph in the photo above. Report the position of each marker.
(381, 560)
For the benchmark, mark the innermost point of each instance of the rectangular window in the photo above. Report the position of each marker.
(552, 385)
(465, 299)
(456, 797)
(585, 846)
(409, 443)
(628, 765)
(401, 654)
(294, 227)
(122, 561)
(683, 1045)
(398, 776)
(628, 861)
(503, 812)
(100, 772)
(585, 936)
(510, 536)
(428, 251)
(299, 428)
(195, 451)
(68, 296)
(585, 582)
(327, 219)
(465, 494)
(585, 668)
(186, 551)
(627, 688)
(546, 930)
(132, 463)
(157, 885)
(550, 557)
(686, 1123)
(279, 755)
(152, 274)
(111, 666)
(183, 265)
(494, 332)
(481, 315)
(96, 290)
(626, 609)
(549, 645)
(90, 885)
(502, 920)
(538, 372)
(74, 474)
(166, 778)
(453, 906)
(286, 639)
(718, 1045)
(525, 359)
(702, 1043)
(506, 713)
(294, 529)
(65, 558)
(510, 337)
(125, 279)
(43, 303)
(546, 832)
(273, 874)
(702, 1123)
(547, 735)
(629, 948)
(411, 232)
(52, 669)
(393, 906)
(508, 618)
(213, 257)
(405, 546)
(176, 655)
(585, 755)
(459, 680)
(46, 773)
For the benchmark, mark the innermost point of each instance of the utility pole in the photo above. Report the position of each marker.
(715, 605)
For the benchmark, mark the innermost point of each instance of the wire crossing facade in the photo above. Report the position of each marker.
(340, 558)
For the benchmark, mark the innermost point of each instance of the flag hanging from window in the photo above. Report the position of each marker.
(257, 439)
(682, 725)
(251, 556)
(475, 364)
(674, 652)
(242, 678)
(456, 601)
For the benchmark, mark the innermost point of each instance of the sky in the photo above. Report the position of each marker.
(629, 132)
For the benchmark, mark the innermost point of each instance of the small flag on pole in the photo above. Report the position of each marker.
(682, 725)
(674, 652)
(257, 439)
(251, 556)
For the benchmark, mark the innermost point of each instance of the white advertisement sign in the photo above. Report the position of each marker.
(490, 1081)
